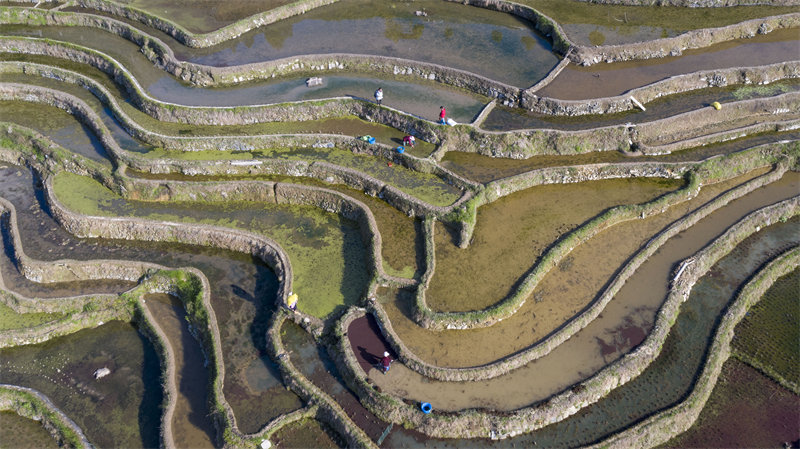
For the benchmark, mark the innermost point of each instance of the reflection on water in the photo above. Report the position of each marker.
(496, 45)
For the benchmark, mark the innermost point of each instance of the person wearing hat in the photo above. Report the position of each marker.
(386, 361)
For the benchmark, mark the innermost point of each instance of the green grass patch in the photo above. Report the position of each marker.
(9, 319)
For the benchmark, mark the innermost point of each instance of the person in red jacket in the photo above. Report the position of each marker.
(386, 361)
(442, 114)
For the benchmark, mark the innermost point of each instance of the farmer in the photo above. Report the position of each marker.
(442, 114)
(379, 95)
(409, 141)
(386, 361)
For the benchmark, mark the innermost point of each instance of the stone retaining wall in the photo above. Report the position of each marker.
(205, 39)
(660, 428)
(34, 405)
(759, 75)
(674, 46)
(578, 322)
(482, 424)
(86, 115)
(329, 410)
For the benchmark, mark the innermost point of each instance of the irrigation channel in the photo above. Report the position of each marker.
(202, 246)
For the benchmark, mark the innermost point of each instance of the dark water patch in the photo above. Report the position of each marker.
(119, 410)
(243, 291)
(315, 364)
(605, 80)
(19, 432)
(191, 423)
(17, 283)
(367, 342)
(485, 169)
(305, 434)
(745, 409)
(451, 35)
(505, 119)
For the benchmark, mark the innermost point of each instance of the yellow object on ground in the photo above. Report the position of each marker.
(716, 105)
(291, 301)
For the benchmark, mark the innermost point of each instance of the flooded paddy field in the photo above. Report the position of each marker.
(493, 284)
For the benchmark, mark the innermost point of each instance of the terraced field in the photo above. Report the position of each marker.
(213, 232)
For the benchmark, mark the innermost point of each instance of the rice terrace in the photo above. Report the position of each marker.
(399, 223)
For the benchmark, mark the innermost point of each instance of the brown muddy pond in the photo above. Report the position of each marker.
(512, 233)
(563, 292)
(623, 325)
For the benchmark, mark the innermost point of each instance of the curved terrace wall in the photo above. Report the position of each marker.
(163, 56)
(34, 405)
(512, 303)
(658, 429)
(480, 423)
(319, 170)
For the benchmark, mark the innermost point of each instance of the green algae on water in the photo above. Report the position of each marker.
(325, 250)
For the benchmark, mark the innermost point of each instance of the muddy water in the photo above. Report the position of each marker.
(304, 434)
(485, 169)
(622, 326)
(242, 295)
(191, 423)
(451, 35)
(417, 97)
(562, 293)
(121, 409)
(604, 80)
(315, 364)
(504, 119)
(23, 433)
(512, 232)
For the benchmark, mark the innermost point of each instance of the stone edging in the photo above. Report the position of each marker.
(659, 428)
(576, 323)
(162, 55)
(473, 423)
(201, 40)
(329, 410)
(319, 170)
(428, 318)
(32, 404)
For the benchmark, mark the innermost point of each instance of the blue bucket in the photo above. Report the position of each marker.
(426, 407)
(400, 149)
(371, 140)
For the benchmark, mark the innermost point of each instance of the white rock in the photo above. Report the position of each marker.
(101, 373)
